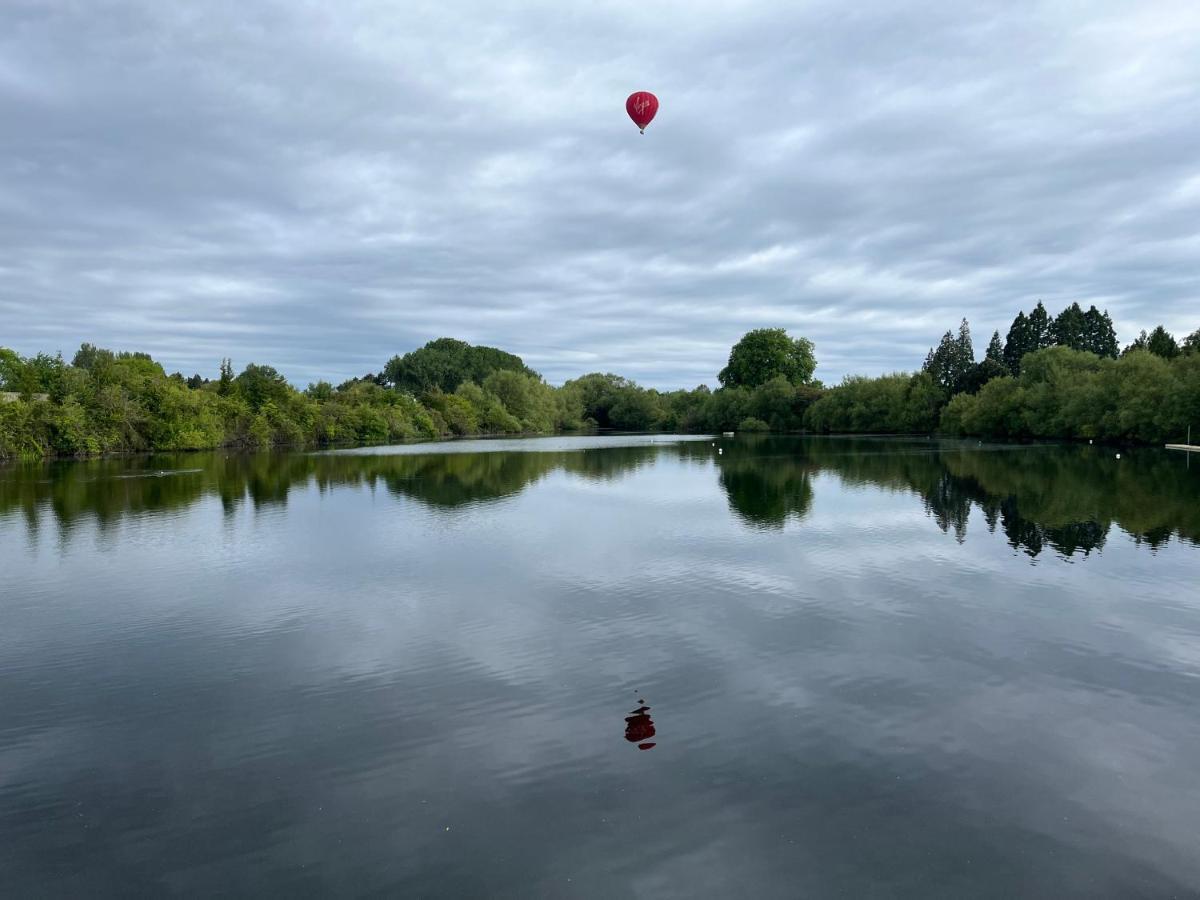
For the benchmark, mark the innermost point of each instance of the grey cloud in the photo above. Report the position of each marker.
(321, 187)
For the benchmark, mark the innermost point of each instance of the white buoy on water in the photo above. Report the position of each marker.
(1118, 456)
(720, 451)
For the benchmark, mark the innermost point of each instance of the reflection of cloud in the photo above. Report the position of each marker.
(361, 667)
(318, 191)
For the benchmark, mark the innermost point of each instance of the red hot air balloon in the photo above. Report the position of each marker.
(641, 106)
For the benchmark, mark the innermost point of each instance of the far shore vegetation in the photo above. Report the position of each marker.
(1061, 377)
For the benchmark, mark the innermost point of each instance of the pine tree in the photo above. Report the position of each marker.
(995, 350)
(992, 366)
(939, 362)
(1101, 336)
(1070, 328)
(1017, 343)
(225, 385)
(964, 353)
(952, 362)
(1162, 343)
(1040, 332)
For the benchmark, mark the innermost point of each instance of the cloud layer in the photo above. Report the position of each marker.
(320, 187)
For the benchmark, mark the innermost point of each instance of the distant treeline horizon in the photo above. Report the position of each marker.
(1052, 377)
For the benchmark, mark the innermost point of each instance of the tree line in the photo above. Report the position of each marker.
(1060, 377)
(112, 402)
(1051, 377)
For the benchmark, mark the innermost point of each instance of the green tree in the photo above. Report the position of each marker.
(89, 356)
(995, 350)
(766, 353)
(1041, 333)
(12, 370)
(635, 410)
(1070, 328)
(1017, 343)
(951, 364)
(752, 424)
(1101, 336)
(527, 398)
(1191, 343)
(991, 366)
(939, 362)
(489, 413)
(1162, 343)
(322, 391)
(445, 363)
(260, 385)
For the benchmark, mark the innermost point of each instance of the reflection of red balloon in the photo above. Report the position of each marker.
(639, 728)
(641, 106)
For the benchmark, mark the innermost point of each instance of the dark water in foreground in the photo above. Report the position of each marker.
(869, 669)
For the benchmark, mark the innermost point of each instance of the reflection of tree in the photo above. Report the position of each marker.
(766, 495)
(108, 489)
(1064, 498)
(454, 479)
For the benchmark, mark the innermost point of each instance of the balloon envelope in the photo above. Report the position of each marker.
(641, 106)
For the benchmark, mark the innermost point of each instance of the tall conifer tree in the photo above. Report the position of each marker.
(1017, 343)
(1070, 328)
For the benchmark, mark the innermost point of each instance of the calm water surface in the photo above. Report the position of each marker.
(602, 667)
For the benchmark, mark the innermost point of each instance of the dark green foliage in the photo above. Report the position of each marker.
(1101, 336)
(891, 404)
(766, 497)
(995, 350)
(1027, 334)
(767, 353)
(1041, 332)
(596, 394)
(752, 424)
(1191, 343)
(322, 391)
(1068, 393)
(11, 370)
(952, 363)
(259, 385)
(118, 402)
(1091, 331)
(1016, 345)
(1070, 328)
(992, 366)
(225, 382)
(1162, 343)
(444, 364)
(981, 374)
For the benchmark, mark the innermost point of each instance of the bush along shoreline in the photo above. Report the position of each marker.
(1059, 378)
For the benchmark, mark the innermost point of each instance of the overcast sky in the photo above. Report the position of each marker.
(321, 185)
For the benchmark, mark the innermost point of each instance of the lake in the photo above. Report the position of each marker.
(603, 667)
